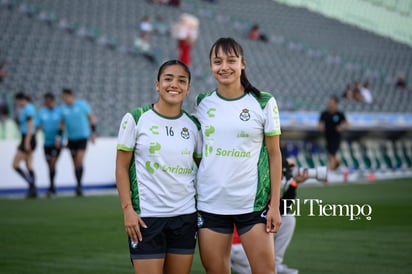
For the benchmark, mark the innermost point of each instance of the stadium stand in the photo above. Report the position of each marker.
(87, 45)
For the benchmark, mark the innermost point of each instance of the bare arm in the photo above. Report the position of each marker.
(92, 122)
(275, 167)
(132, 220)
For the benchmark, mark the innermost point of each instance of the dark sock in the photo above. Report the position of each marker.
(79, 174)
(22, 174)
(32, 178)
(52, 174)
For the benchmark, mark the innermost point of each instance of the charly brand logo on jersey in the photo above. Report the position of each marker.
(208, 150)
(244, 115)
(154, 130)
(151, 167)
(209, 130)
(154, 147)
(210, 112)
(124, 124)
(185, 133)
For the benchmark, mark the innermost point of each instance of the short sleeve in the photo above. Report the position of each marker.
(272, 120)
(86, 107)
(126, 139)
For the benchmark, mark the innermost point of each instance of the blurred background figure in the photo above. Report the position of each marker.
(2, 71)
(26, 120)
(79, 123)
(160, 26)
(401, 82)
(145, 26)
(366, 93)
(332, 123)
(186, 33)
(256, 34)
(49, 120)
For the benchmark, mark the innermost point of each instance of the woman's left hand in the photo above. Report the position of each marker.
(273, 220)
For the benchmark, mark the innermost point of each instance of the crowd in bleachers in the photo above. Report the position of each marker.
(47, 45)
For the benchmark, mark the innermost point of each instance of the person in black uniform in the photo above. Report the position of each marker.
(332, 123)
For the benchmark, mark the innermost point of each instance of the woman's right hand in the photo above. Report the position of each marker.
(132, 224)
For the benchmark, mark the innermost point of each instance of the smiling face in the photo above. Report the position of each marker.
(226, 66)
(173, 84)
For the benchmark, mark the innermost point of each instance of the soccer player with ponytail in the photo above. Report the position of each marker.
(238, 181)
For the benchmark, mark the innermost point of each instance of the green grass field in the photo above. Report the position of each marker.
(85, 235)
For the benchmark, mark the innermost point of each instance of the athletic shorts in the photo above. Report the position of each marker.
(332, 145)
(75, 145)
(224, 223)
(33, 143)
(164, 235)
(51, 152)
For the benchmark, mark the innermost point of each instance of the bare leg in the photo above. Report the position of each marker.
(178, 264)
(259, 248)
(148, 266)
(215, 251)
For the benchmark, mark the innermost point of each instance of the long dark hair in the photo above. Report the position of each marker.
(229, 45)
(171, 63)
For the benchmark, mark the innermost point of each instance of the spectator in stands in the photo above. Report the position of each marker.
(256, 34)
(159, 206)
(26, 119)
(79, 121)
(357, 95)
(239, 262)
(401, 82)
(160, 26)
(49, 120)
(145, 26)
(142, 47)
(332, 123)
(348, 93)
(2, 71)
(186, 33)
(366, 93)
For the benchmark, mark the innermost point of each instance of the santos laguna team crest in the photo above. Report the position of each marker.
(185, 133)
(244, 115)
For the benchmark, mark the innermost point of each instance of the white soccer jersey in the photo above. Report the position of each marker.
(233, 177)
(162, 172)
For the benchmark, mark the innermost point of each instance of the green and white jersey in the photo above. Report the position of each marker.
(162, 172)
(233, 177)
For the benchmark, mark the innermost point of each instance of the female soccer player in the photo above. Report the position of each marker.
(155, 177)
(238, 180)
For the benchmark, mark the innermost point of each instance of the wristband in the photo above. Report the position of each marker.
(93, 128)
(294, 184)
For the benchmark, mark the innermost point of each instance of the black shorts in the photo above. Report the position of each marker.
(33, 143)
(332, 145)
(166, 235)
(224, 223)
(75, 145)
(51, 152)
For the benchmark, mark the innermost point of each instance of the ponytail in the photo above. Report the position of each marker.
(247, 85)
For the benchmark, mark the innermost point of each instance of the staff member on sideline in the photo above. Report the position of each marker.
(79, 123)
(27, 124)
(49, 120)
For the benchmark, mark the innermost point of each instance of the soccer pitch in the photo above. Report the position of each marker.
(86, 235)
